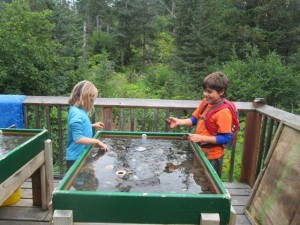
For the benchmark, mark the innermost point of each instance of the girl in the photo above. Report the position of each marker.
(80, 133)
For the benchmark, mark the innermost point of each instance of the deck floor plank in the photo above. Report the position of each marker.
(242, 220)
(23, 202)
(239, 197)
(23, 213)
(7, 222)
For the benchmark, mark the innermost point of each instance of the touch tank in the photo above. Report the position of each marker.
(17, 148)
(144, 178)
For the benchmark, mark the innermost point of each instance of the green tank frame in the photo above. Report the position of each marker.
(139, 208)
(23, 153)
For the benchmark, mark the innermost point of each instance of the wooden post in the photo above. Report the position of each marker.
(63, 217)
(36, 188)
(210, 219)
(251, 146)
(43, 188)
(232, 219)
(48, 171)
(107, 118)
(42, 179)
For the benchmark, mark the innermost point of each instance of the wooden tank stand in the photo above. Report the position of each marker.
(65, 217)
(40, 169)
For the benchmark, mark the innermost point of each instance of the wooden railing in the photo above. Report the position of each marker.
(259, 123)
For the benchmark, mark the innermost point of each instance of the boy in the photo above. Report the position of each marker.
(214, 88)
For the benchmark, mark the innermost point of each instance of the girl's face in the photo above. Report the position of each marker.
(212, 96)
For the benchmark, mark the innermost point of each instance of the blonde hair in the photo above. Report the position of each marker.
(84, 95)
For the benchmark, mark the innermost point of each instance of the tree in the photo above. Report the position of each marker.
(97, 16)
(134, 31)
(265, 78)
(28, 59)
(99, 70)
(267, 25)
(198, 37)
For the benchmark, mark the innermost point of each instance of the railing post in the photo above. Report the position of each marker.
(251, 145)
(107, 117)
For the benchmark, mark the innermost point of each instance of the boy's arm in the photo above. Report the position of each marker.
(223, 138)
(174, 122)
(218, 139)
(203, 138)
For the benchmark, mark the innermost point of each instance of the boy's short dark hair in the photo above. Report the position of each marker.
(217, 81)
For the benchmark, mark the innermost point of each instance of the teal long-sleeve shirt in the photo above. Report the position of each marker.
(79, 125)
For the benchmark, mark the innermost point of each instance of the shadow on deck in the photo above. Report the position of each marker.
(23, 213)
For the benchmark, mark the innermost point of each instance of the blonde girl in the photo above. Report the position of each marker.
(80, 133)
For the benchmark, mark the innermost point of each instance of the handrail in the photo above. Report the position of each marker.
(129, 114)
(128, 103)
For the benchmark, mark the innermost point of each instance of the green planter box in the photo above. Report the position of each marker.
(11, 161)
(142, 207)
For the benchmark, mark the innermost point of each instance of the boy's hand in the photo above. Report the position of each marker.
(195, 137)
(202, 138)
(172, 122)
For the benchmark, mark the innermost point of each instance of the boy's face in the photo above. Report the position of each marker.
(212, 95)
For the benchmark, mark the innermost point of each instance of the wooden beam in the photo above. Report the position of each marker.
(128, 103)
(37, 187)
(49, 171)
(232, 219)
(63, 217)
(107, 118)
(18, 178)
(43, 188)
(210, 219)
(250, 147)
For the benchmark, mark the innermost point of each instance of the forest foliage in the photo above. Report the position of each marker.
(152, 48)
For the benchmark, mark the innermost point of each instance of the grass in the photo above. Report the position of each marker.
(237, 164)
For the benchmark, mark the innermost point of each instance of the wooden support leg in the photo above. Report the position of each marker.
(50, 212)
(210, 219)
(232, 216)
(46, 173)
(48, 170)
(63, 217)
(36, 188)
(43, 188)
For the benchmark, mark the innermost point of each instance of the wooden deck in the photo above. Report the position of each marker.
(23, 213)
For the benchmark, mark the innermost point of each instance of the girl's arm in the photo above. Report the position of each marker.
(91, 141)
(99, 125)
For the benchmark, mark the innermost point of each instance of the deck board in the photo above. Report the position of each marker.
(240, 194)
(23, 213)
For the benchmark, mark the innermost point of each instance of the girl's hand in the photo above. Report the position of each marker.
(99, 125)
(102, 145)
